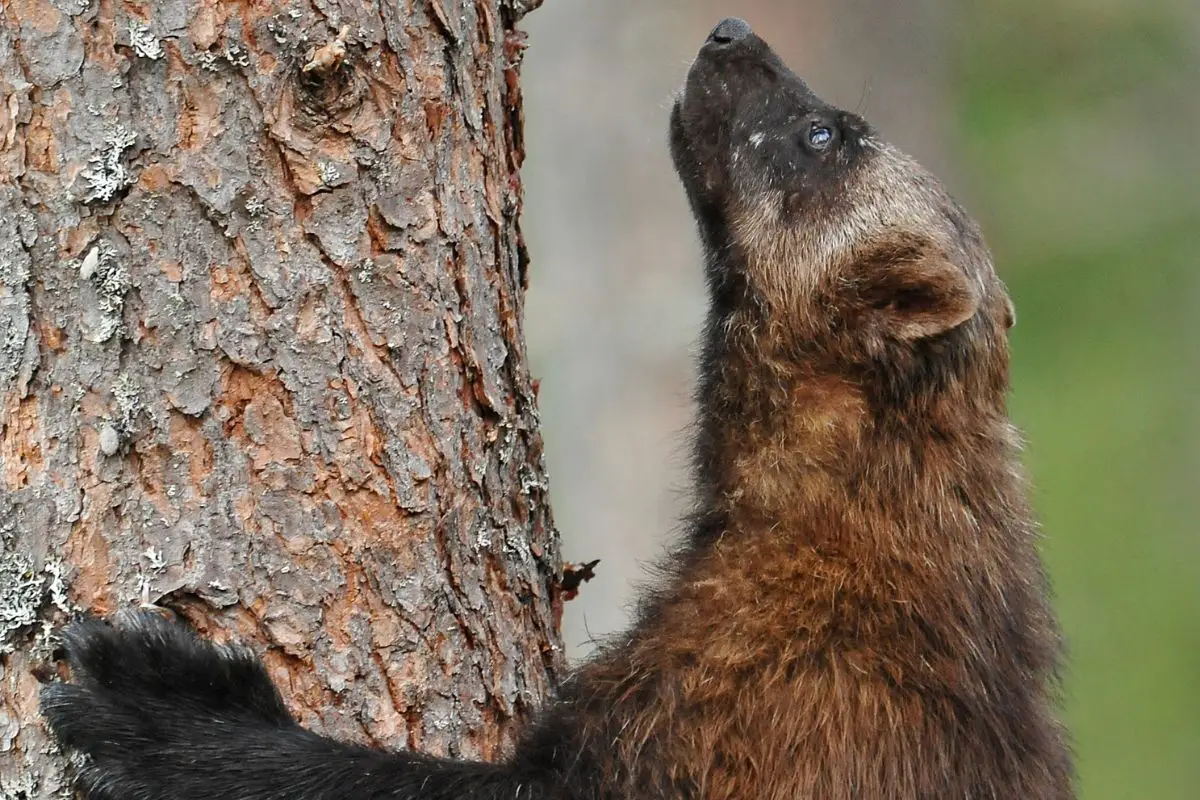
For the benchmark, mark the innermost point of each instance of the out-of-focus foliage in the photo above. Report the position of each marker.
(1079, 136)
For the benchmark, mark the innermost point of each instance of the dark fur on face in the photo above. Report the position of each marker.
(858, 611)
(851, 236)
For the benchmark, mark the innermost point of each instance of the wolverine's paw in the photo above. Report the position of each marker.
(144, 685)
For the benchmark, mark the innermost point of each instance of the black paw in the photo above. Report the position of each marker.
(146, 693)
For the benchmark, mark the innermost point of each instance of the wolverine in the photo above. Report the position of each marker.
(857, 610)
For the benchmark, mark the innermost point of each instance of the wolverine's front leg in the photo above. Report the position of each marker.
(159, 714)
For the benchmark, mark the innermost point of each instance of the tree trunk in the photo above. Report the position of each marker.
(262, 359)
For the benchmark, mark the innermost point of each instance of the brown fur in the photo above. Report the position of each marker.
(861, 612)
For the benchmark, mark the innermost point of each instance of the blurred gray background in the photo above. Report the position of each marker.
(1070, 129)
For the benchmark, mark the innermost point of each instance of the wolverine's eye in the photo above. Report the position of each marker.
(820, 137)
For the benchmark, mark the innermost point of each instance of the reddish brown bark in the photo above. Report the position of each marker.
(262, 359)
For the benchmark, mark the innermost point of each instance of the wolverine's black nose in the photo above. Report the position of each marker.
(729, 30)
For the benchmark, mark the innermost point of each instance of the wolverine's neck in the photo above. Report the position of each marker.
(841, 523)
(785, 440)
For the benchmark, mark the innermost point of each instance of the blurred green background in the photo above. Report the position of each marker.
(1078, 125)
(1070, 129)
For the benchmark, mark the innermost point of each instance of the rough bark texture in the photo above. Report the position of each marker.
(261, 356)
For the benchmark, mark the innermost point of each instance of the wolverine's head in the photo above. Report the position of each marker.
(812, 223)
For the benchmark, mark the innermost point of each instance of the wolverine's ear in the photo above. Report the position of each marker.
(913, 290)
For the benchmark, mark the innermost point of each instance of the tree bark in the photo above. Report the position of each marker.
(262, 359)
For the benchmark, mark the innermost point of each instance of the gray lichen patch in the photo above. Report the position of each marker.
(109, 281)
(255, 206)
(71, 7)
(128, 404)
(128, 398)
(48, 782)
(208, 60)
(21, 788)
(22, 589)
(24, 592)
(237, 55)
(14, 264)
(330, 174)
(108, 174)
(56, 587)
(143, 42)
(14, 296)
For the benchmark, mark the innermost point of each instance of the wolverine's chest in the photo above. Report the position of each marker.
(831, 736)
(816, 717)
